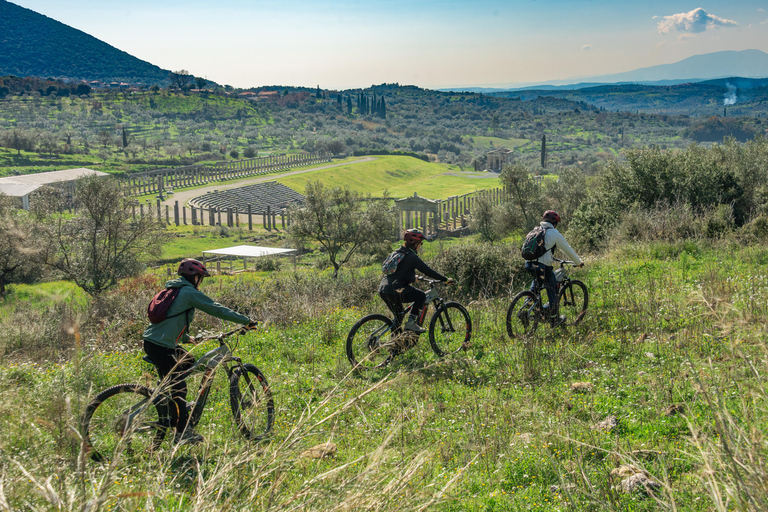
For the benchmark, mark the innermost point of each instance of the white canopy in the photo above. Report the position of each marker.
(249, 251)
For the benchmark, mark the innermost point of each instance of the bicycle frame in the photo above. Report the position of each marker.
(432, 297)
(208, 363)
(538, 287)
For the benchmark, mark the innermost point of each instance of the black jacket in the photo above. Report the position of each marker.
(406, 272)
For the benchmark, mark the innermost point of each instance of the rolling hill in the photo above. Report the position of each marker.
(32, 44)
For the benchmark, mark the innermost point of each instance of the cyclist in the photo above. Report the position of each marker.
(162, 340)
(395, 289)
(543, 266)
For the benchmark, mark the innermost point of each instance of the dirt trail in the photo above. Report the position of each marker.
(182, 196)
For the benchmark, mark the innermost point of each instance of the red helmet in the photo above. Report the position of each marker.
(190, 267)
(413, 235)
(551, 216)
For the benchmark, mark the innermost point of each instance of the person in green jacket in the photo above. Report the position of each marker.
(162, 340)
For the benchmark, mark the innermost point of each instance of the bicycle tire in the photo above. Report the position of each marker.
(370, 342)
(574, 300)
(450, 329)
(522, 318)
(126, 418)
(250, 398)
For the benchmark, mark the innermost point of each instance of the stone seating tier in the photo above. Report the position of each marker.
(260, 195)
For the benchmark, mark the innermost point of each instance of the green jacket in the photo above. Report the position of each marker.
(173, 330)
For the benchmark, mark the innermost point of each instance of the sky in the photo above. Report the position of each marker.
(345, 44)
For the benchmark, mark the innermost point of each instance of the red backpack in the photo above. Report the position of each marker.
(157, 311)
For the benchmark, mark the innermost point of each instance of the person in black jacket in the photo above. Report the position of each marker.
(395, 289)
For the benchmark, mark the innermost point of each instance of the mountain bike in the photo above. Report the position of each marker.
(375, 340)
(526, 310)
(132, 418)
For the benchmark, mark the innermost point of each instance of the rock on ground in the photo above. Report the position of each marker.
(321, 450)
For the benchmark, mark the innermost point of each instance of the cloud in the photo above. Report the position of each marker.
(695, 21)
(586, 47)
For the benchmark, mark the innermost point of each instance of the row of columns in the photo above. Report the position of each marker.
(153, 182)
(212, 216)
(452, 213)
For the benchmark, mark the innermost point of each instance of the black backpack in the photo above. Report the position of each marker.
(533, 246)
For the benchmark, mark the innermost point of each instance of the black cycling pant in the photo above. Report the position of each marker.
(170, 362)
(395, 302)
(547, 280)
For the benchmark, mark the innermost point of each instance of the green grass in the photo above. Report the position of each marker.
(401, 176)
(191, 241)
(668, 324)
(489, 143)
(44, 293)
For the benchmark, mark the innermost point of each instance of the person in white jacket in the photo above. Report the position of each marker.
(544, 264)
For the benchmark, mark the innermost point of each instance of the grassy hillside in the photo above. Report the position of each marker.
(672, 347)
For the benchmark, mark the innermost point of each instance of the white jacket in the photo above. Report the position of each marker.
(554, 237)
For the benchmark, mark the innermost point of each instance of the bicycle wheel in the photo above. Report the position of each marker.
(522, 317)
(125, 419)
(370, 342)
(251, 400)
(574, 300)
(450, 329)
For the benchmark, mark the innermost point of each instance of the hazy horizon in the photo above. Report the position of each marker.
(350, 44)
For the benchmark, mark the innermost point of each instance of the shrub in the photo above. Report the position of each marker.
(482, 270)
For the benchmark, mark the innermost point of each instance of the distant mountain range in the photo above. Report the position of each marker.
(698, 68)
(32, 44)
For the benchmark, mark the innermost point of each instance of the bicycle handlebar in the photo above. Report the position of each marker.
(223, 335)
(434, 281)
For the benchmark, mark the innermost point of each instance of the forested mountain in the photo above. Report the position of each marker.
(741, 96)
(35, 45)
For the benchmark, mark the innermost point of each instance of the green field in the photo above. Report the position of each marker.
(401, 176)
(489, 143)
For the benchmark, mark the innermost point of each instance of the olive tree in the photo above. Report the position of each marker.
(101, 242)
(524, 205)
(341, 221)
(20, 244)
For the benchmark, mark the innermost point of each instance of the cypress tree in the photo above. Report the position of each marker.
(125, 138)
(543, 150)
